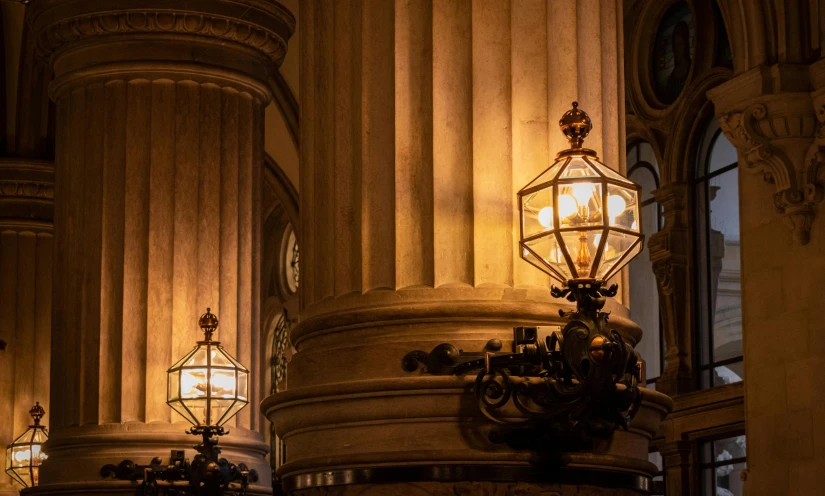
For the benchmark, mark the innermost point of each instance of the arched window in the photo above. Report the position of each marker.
(718, 304)
(643, 169)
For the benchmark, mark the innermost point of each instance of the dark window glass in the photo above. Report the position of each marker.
(718, 305)
(721, 464)
(644, 296)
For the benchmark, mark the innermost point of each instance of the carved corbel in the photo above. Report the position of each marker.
(784, 147)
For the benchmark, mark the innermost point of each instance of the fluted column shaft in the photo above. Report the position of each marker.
(420, 122)
(26, 243)
(159, 140)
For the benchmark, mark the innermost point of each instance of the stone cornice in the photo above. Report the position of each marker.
(26, 192)
(263, 26)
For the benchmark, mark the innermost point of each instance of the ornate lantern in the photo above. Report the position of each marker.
(207, 386)
(24, 455)
(579, 218)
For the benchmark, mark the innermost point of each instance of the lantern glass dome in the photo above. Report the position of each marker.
(207, 386)
(579, 219)
(25, 454)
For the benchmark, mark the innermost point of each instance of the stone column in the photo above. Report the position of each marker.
(420, 121)
(157, 213)
(26, 241)
(669, 254)
(774, 116)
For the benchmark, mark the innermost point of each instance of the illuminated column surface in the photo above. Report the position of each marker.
(26, 241)
(159, 141)
(420, 120)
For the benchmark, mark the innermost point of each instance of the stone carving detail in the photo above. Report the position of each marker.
(27, 189)
(769, 142)
(252, 35)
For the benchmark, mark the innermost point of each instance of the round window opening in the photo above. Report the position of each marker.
(673, 52)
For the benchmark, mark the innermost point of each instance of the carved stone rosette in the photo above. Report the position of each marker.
(779, 137)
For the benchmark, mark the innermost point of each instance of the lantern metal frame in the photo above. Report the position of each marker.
(27, 441)
(578, 383)
(207, 474)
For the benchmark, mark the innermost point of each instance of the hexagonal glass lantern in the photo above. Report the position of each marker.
(207, 386)
(579, 219)
(24, 455)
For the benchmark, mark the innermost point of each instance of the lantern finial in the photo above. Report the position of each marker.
(37, 412)
(576, 125)
(208, 323)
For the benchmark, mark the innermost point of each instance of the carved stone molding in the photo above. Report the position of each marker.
(26, 194)
(265, 27)
(779, 138)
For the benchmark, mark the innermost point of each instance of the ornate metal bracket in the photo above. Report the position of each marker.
(581, 381)
(207, 474)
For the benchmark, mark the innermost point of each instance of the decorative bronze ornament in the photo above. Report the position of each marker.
(580, 225)
(24, 455)
(207, 387)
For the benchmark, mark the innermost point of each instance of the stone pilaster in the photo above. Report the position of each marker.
(158, 156)
(669, 254)
(679, 460)
(774, 116)
(439, 113)
(26, 246)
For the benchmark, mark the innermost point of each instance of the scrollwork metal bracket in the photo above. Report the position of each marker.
(581, 381)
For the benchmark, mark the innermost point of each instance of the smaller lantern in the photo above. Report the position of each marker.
(207, 386)
(579, 218)
(25, 454)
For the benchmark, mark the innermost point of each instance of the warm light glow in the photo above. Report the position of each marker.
(193, 383)
(38, 456)
(223, 384)
(546, 217)
(615, 206)
(582, 192)
(567, 206)
(23, 456)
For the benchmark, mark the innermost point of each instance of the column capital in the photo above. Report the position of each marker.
(774, 116)
(226, 42)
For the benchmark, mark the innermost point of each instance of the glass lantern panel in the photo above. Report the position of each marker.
(26, 437)
(197, 410)
(198, 358)
(610, 173)
(21, 456)
(531, 258)
(242, 385)
(617, 247)
(185, 358)
(8, 458)
(578, 168)
(37, 455)
(193, 383)
(537, 212)
(622, 208)
(582, 246)
(219, 357)
(181, 409)
(580, 204)
(220, 409)
(547, 252)
(222, 383)
(23, 475)
(39, 436)
(236, 363)
(548, 175)
(230, 412)
(173, 385)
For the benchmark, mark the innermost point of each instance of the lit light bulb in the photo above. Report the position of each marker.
(582, 192)
(615, 206)
(37, 454)
(22, 456)
(546, 217)
(192, 383)
(223, 384)
(567, 206)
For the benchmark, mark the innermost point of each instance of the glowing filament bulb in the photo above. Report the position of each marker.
(567, 206)
(615, 206)
(582, 192)
(546, 217)
(22, 456)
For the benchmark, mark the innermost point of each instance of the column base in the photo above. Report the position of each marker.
(76, 455)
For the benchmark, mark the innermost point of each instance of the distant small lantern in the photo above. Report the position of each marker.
(207, 386)
(579, 219)
(25, 454)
